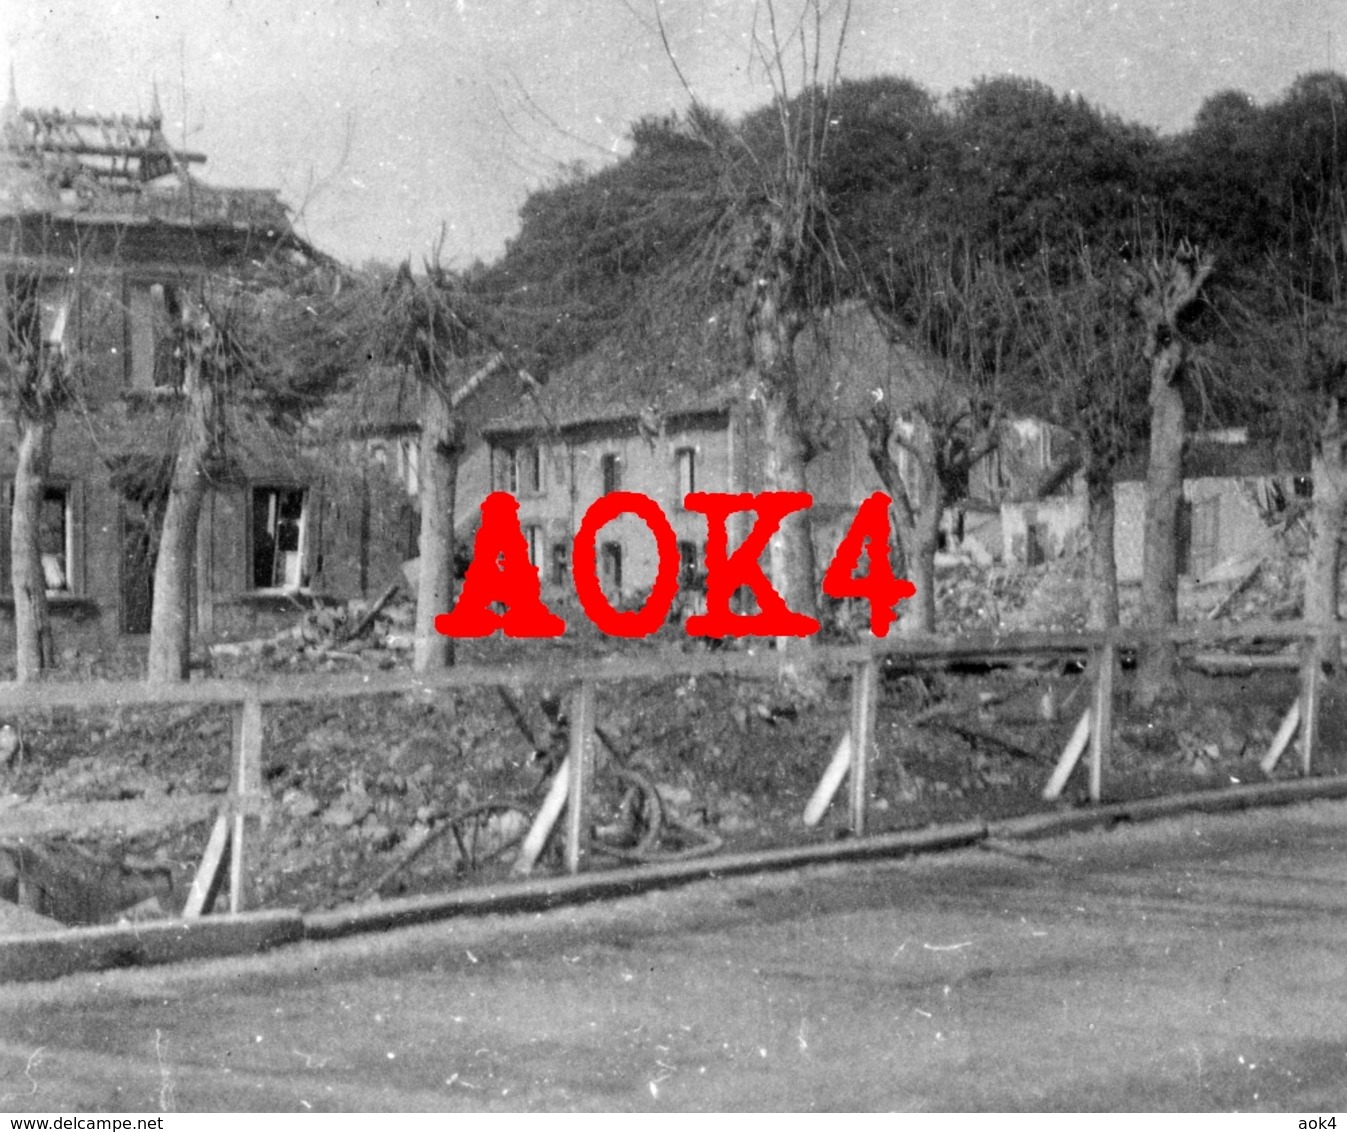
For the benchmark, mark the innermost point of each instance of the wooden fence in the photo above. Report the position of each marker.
(233, 837)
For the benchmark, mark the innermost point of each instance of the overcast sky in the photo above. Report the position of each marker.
(380, 120)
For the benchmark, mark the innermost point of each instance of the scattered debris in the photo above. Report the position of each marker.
(11, 746)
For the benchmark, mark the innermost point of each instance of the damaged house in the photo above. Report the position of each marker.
(106, 225)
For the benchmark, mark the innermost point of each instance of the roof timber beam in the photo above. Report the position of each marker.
(84, 149)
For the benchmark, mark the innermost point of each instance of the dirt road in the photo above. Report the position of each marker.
(1197, 963)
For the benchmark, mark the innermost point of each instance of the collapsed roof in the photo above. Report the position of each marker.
(118, 169)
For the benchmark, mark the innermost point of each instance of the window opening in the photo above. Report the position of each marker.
(686, 459)
(54, 530)
(279, 536)
(561, 563)
(612, 473)
(610, 569)
(157, 357)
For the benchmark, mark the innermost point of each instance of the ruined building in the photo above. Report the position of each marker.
(103, 226)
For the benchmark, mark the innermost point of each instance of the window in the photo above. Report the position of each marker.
(503, 473)
(57, 531)
(686, 461)
(610, 569)
(611, 465)
(518, 470)
(1204, 536)
(529, 465)
(55, 313)
(1035, 544)
(41, 312)
(279, 538)
(561, 563)
(153, 316)
(534, 535)
(407, 463)
(54, 528)
(689, 564)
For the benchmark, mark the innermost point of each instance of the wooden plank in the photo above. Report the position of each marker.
(863, 683)
(1070, 756)
(1238, 664)
(210, 872)
(1279, 741)
(538, 833)
(674, 662)
(582, 733)
(837, 769)
(1101, 718)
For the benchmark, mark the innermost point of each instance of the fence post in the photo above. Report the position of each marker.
(863, 684)
(245, 798)
(1101, 715)
(582, 730)
(1312, 657)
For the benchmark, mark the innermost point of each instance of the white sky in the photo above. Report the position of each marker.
(380, 120)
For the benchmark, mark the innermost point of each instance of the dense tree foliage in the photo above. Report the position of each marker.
(1021, 239)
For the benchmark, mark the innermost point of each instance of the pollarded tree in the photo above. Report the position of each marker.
(257, 353)
(210, 359)
(1013, 174)
(1081, 371)
(774, 242)
(953, 337)
(433, 327)
(1165, 300)
(722, 229)
(1294, 339)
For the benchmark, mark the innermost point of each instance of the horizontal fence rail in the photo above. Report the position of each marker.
(760, 661)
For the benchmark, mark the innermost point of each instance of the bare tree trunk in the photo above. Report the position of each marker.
(1330, 503)
(1158, 668)
(771, 324)
(170, 615)
(34, 652)
(916, 511)
(1103, 592)
(1163, 304)
(171, 611)
(791, 552)
(440, 450)
(921, 540)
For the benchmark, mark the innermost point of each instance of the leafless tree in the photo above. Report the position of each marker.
(39, 385)
(952, 329)
(1082, 372)
(429, 325)
(1170, 288)
(212, 364)
(773, 242)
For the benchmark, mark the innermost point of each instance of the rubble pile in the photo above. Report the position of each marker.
(330, 633)
(972, 598)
